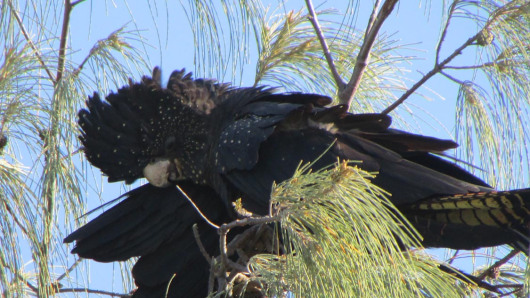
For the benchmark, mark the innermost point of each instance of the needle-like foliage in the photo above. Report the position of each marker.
(496, 113)
(341, 233)
(335, 246)
(41, 178)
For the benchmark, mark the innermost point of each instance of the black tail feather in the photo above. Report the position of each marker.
(474, 220)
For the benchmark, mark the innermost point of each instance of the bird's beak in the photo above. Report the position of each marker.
(162, 172)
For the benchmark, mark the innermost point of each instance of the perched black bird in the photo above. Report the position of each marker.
(220, 143)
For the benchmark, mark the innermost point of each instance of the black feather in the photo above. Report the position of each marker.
(227, 143)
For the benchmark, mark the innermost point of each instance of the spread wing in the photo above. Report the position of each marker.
(156, 224)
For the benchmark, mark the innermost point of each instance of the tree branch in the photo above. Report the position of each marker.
(491, 270)
(487, 64)
(451, 78)
(30, 42)
(223, 232)
(77, 262)
(444, 32)
(504, 10)
(373, 17)
(77, 2)
(199, 243)
(437, 68)
(318, 31)
(64, 37)
(363, 58)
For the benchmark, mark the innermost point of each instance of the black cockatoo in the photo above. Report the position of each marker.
(220, 143)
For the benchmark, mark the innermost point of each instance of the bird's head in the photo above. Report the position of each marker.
(145, 130)
(182, 159)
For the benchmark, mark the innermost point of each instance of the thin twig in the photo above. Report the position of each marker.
(169, 284)
(77, 2)
(82, 64)
(64, 37)
(238, 267)
(346, 96)
(211, 277)
(250, 221)
(325, 48)
(240, 238)
(77, 262)
(201, 246)
(487, 64)
(506, 9)
(30, 42)
(223, 232)
(14, 216)
(498, 264)
(444, 32)
(437, 68)
(31, 286)
(452, 259)
(372, 18)
(451, 78)
(197, 208)
(467, 278)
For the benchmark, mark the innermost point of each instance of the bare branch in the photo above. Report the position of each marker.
(346, 96)
(452, 259)
(467, 278)
(488, 64)
(197, 208)
(223, 232)
(318, 31)
(491, 270)
(372, 18)
(437, 68)
(502, 11)
(64, 37)
(444, 32)
(77, 262)
(211, 277)
(451, 78)
(15, 217)
(201, 246)
(77, 2)
(30, 42)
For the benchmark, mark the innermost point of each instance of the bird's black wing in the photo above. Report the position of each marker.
(156, 224)
(270, 141)
(123, 133)
(201, 94)
(405, 164)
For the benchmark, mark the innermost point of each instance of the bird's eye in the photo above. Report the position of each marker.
(170, 144)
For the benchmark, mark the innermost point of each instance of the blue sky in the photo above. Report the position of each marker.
(165, 28)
